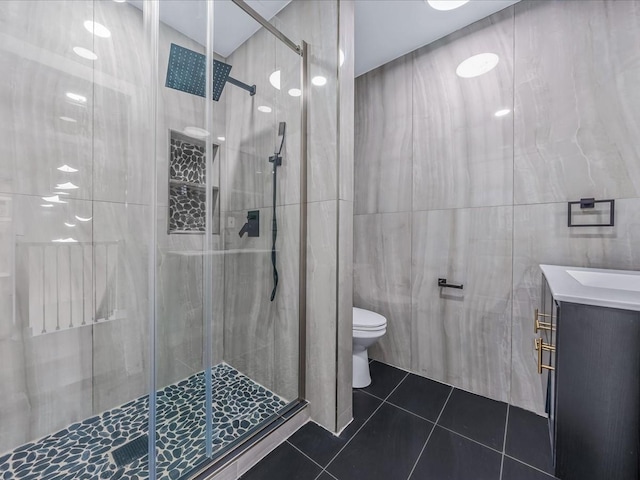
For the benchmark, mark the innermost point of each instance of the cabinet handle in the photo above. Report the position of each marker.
(539, 345)
(538, 325)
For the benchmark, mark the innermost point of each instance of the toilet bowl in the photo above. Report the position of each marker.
(368, 327)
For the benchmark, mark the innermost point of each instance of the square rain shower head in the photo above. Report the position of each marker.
(186, 72)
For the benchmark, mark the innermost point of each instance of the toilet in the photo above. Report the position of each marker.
(368, 327)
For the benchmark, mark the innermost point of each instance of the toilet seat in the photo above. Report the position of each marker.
(368, 321)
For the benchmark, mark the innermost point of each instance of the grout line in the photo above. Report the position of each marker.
(396, 387)
(370, 394)
(430, 433)
(471, 439)
(304, 454)
(327, 472)
(354, 435)
(366, 421)
(467, 207)
(504, 441)
(530, 466)
(409, 411)
(506, 427)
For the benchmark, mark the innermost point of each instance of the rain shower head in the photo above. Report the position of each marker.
(186, 72)
(220, 76)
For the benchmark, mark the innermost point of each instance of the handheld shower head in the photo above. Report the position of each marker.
(276, 159)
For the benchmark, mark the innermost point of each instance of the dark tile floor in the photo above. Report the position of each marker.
(409, 427)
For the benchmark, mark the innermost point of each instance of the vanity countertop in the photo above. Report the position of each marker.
(594, 286)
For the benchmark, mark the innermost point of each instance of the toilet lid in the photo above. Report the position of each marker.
(367, 320)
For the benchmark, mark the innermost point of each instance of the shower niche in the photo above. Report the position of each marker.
(188, 185)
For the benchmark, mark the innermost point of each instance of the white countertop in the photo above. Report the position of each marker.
(594, 286)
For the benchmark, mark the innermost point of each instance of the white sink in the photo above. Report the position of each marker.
(615, 281)
(594, 286)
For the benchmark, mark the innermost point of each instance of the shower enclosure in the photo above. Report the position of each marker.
(139, 337)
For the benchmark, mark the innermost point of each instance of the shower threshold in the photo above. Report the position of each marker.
(85, 450)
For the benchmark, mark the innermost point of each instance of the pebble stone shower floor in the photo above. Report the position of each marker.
(82, 451)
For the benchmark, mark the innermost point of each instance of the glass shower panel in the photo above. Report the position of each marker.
(73, 202)
(187, 186)
(262, 152)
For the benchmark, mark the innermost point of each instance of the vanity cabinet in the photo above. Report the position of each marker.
(589, 360)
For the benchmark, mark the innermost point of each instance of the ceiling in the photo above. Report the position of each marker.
(384, 29)
(231, 26)
(387, 29)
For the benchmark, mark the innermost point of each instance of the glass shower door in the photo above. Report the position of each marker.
(226, 352)
(74, 339)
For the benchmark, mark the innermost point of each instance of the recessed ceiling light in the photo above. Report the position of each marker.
(66, 186)
(65, 240)
(61, 193)
(84, 53)
(446, 4)
(340, 56)
(222, 139)
(477, 65)
(46, 205)
(76, 97)
(295, 92)
(67, 168)
(274, 79)
(502, 113)
(264, 109)
(68, 119)
(83, 219)
(195, 132)
(319, 81)
(70, 225)
(97, 29)
(53, 199)
(119, 1)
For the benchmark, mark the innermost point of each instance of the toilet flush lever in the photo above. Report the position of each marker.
(442, 282)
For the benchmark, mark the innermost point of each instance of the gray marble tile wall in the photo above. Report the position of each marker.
(481, 200)
(575, 135)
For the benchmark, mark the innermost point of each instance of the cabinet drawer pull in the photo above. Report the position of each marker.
(538, 325)
(539, 345)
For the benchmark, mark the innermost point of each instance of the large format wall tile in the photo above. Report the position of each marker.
(248, 327)
(383, 133)
(260, 336)
(46, 363)
(577, 101)
(121, 345)
(321, 310)
(286, 319)
(382, 280)
(463, 154)
(344, 367)
(346, 75)
(316, 22)
(462, 337)
(541, 236)
(42, 60)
